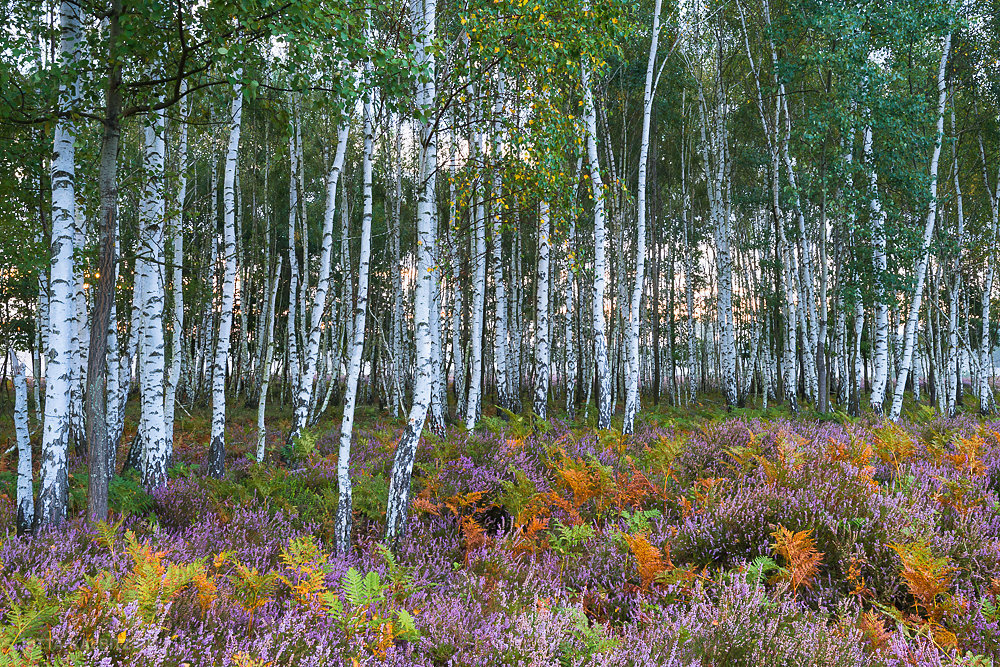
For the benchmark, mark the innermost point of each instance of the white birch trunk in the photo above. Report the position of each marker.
(54, 475)
(402, 466)
(155, 432)
(397, 280)
(474, 401)
(304, 395)
(25, 489)
(342, 529)
(217, 452)
(880, 360)
(457, 302)
(570, 348)
(918, 290)
(987, 403)
(265, 372)
(634, 314)
(500, 351)
(542, 314)
(604, 407)
(176, 266)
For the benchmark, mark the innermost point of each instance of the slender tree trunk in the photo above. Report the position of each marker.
(397, 279)
(155, 432)
(304, 395)
(542, 314)
(881, 328)
(25, 474)
(342, 530)
(634, 313)
(265, 371)
(603, 375)
(571, 267)
(402, 466)
(922, 259)
(216, 463)
(176, 233)
(987, 403)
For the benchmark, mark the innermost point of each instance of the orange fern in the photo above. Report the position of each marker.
(473, 535)
(926, 577)
(579, 483)
(873, 629)
(460, 502)
(422, 504)
(967, 455)
(649, 559)
(799, 551)
(525, 539)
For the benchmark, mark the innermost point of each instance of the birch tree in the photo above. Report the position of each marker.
(909, 337)
(542, 313)
(216, 463)
(342, 531)
(425, 21)
(59, 357)
(634, 314)
(604, 406)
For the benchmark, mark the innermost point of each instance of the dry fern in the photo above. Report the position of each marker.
(473, 535)
(926, 577)
(799, 551)
(579, 484)
(873, 629)
(967, 455)
(524, 540)
(649, 560)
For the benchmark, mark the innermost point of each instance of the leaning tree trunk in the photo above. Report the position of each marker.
(304, 395)
(918, 290)
(265, 370)
(406, 449)
(216, 463)
(342, 528)
(632, 391)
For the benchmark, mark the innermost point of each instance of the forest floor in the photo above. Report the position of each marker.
(708, 538)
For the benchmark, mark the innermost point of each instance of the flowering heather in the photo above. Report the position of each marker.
(743, 542)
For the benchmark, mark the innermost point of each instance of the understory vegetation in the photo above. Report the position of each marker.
(749, 539)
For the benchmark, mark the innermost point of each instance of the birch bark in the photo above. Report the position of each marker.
(156, 433)
(604, 406)
(54, 475)
(342, 528)
(542, 314)
(304, 395)
(25, 488)
(634, 314)
(217, 452)
(918, 290)
(402, 466)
